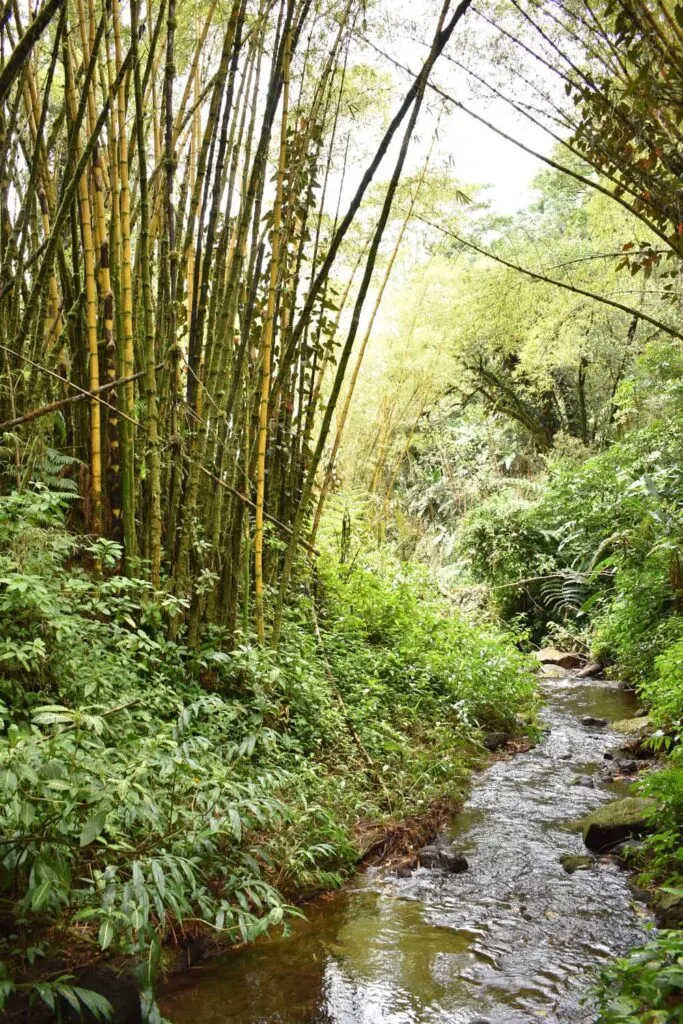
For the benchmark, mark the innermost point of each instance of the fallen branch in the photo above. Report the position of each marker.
(44, 410)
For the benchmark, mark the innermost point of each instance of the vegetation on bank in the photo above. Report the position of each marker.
(544, 481)
(150, 789)
(185, 273)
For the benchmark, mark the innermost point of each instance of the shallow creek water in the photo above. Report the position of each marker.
(513, 940)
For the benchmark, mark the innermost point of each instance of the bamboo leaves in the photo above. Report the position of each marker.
(178, 272)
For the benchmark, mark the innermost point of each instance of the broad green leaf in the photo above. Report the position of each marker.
(41, 894)
(53, 769)
(158, 876)
(27, 813)
(8, 781)
(106, 934)
(52, 718)
(46, 993)
(6, 987)
(92, 828)
(68, 993)
(99, 1005)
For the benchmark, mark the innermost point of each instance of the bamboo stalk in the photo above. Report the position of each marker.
(90, 314)
(123, 232)
(267, 344)
(151, 422)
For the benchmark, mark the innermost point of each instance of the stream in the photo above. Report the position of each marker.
(514, 939)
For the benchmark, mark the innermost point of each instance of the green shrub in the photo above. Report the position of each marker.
(606, 538)
(148, 787)
(501, 544)
(664, 690)
(403, 658)
(645, 987)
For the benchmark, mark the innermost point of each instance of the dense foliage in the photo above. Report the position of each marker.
(646, 986)
(148, 787)
(189, 249)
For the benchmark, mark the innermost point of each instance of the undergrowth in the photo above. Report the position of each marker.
(150, 790)
(595, 562)
(645, 987)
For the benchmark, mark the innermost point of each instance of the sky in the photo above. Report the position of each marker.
(475, 153)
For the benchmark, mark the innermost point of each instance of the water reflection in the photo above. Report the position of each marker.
(511, 941)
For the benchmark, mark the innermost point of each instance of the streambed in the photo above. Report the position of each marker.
(511, 941)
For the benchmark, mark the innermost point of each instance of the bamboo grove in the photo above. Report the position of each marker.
(176, 260)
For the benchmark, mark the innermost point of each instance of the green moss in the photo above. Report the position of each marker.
(629, 811)
(632, 726)
(575, 862)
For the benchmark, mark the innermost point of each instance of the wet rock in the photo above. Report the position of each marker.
(628, 851)
(641, 713)
(593, 723)
(405, 867)
(439, 857)
(551, 672)
(575, 862)
(627, 767)
(565, 659)
(593, 668)
(565, 757)
(454, 862)
(480, 1020)
(608, 755)
(429, 856)
(121, 990)
(668, 909)
(639, 748)
(613, 823)
(496, 740)
(636, 727)
(583, 780)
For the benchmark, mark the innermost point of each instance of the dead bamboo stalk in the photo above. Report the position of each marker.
(45, 410)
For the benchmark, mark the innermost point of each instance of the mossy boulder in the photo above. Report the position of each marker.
(633, 726)
(575, 862)
(668, 908)
(614, 823)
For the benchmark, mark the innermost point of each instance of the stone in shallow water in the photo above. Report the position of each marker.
(627, 766)
(633, 726)
(593, 668)
(565, 659)
(551, 672)
(448, 860)
(613, 823)
(575, 862)
(583, 780)
(592, 722)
